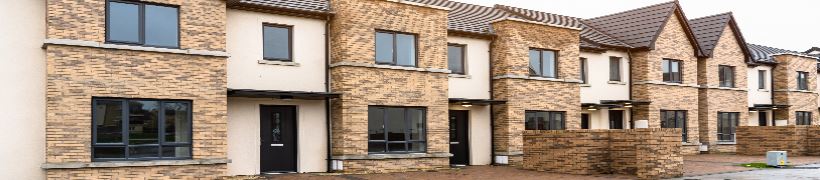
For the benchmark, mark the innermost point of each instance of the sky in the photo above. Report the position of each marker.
(785, 24)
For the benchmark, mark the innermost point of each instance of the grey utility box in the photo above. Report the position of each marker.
(777, 158)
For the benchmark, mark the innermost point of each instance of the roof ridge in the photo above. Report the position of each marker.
(645, 7)
(713, 15)
(497, 5)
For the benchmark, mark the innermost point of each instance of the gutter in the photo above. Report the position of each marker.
(328, 125)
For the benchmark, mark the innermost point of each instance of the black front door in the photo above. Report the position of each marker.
(458, 137)
(278, 135)
(616, 119)
(584, 121)
(762, 118)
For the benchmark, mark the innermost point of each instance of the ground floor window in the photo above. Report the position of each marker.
(544, 120)
(803, 118)
(140, 129)
(396, 129)
(727, 125)
(674, 119)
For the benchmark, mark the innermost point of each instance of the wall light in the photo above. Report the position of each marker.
(466, 104)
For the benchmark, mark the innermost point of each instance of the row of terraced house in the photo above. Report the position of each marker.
(206, 88)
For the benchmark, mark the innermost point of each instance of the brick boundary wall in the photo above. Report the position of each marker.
(647, 153)
(797, 140)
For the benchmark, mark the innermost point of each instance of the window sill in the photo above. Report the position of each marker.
(690, 144)
(726, 143)
(107, 164)
(513, 76)
(762, 90)
(465, 76)
(616, 82)
(80, 43)
(392, 156)
(666, 83)
(793, 90)
(279, 63)
(586, 85)
(382, 66)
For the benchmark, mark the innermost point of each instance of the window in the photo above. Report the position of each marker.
(674, 119)
(727, 125)
(803, 118)
(802, 83)
(395, 48)
(396, 129)
(726, 74)
(544, 120)
(614, 68)
(277, 42)
(455, 58)
(761, 79)
(144, 24)
(542, 63)
(584, 70)
(672, 71)
(140, 129)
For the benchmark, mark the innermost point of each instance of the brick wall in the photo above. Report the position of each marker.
(713, 100)
(76, 74)
(510, 57)
(785, 88)
(353, 40)
(646, 153)
(797, 140)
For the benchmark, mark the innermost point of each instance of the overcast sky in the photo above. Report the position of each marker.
(786, 24)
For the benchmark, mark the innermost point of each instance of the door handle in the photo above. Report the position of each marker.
(277, 145)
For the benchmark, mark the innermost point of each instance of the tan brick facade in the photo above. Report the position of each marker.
(785, 88)
(797, 140)
(353, 40)
(713, 98)
(510, 62)
(672, 43)
(76, 74)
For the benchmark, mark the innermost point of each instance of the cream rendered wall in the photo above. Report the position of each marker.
(22, 73)
(759, 96)
(243, 134)
(598, 86)
(244, 43)
(480, 141)
(477, 84)
(753, 121)
(599, 119)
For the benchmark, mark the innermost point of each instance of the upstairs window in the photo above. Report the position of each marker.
(672, 71)
(726, 74)
(803, 117)
(455, 58)
(614, 68)
(544, 120)
(584, 71)
(761, 79)
(802, 81)
(542, 63)
(144, 24)
(277, 42)
(395, 48)
(140, 129)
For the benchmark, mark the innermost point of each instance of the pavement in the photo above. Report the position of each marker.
(800, 172)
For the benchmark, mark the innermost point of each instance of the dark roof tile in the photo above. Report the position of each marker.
(469, 17)
(592, 36)
(708, 30)
(299, 5)
(764, 54)
(637, 27)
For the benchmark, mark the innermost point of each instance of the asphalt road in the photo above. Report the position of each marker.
(800, 172)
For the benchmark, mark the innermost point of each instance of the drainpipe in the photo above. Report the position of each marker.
(492, 113)
(771, 91)
(631, 81)
(327, 89)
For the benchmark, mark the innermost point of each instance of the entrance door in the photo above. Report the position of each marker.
(458, 138)
(762, 118)
(278, 136)
(616, 119)
(584, 121)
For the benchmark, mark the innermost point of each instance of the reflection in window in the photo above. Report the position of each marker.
(396, 130)
(138, 23)
(542, 63)
(544, 120)
(277, 42)
(395, 48)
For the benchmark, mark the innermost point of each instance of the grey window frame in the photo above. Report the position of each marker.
(541, 62)
(463, 59)
(761, 79)
(584, 75)
(676, 114)
(803, 118)
(407, 141)
(802, 80)
(395, 46)
(549, 115)
(672, 78)
(726, 76)
(735, 118)
(141, 29)
(125, 128)
(290, 41)
(615, 68)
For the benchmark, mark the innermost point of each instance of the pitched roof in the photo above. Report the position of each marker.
(764, 54)
(591, 38)
(469, 17)
(813, 49)
(709, 29)
(300, 5)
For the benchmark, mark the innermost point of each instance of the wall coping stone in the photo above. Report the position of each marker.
(279, 63)
(704, 86)
(381, 66)
(420, 4)
(94, 44)
(667, 84)
(77, 165)
(514, 76)
(392, 156)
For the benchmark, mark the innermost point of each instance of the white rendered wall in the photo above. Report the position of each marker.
(480, 141)
(753, 118)
(22, 98)
(243, 134)
(244, 43)
(759, 96)
(598, 86)
(477, 84)
(599, 119)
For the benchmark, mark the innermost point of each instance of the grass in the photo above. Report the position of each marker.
(756, 165)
